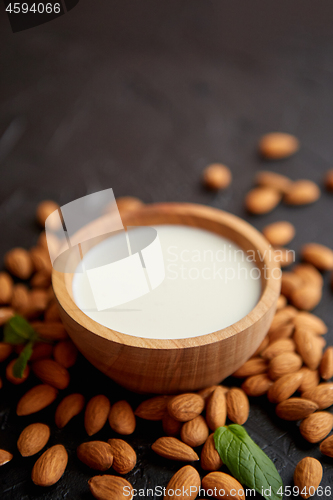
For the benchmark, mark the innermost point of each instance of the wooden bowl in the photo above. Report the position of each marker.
(178, 365)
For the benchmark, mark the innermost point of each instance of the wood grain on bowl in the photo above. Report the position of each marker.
(176, 365)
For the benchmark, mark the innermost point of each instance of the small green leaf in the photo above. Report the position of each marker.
(17, 331)
(247, 462)
(22, 360)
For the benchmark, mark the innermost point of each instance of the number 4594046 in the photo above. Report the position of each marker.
(36, 8)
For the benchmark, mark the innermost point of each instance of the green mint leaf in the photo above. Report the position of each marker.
(18, 331)
(247, 462)
(22, 360)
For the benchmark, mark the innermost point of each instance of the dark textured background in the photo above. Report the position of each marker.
(140, 96)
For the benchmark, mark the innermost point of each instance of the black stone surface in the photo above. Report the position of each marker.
(140, 96)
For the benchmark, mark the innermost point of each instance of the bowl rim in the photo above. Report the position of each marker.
(268, 298)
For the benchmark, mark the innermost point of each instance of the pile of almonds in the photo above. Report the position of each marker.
(291, 366)
(273, 188)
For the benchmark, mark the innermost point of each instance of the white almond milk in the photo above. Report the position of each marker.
(210, 283)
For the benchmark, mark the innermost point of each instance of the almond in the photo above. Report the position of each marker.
(20, 299)
(41, 279)
(238, 406)
(271, 179)
(5, 351)
(216, 409)
(278, 145)
(41, 350)
(257, 385)
(195, 432)
(171, 426)
(326, 364)
(41, 260)
(309, 347)
(262, 200)
(282, 317)
(217, 176)
(44, 209)
(261, 347)
(124, 457)
(186, 481)
(310, 379)
(5, 314)
(217, 482)
(185, 407)
(205, 393)
(6, 288)
(319, 256)
(65, 353)
(50, 372)
(210, 459)
(38, 301)
(19, 263)
(284, 387)
(278, 347)
(110, 487)
(326, 447)
(281, 303)
(322, 395)
(309, 321)
(51, 314)
(5, 457)
(321, 341)
(96, 414)
(329, 180)
(295, 408)
(289, 283)
(10, 375)
(284, 332)
(307, 476)
(153, 409)
(36, 399)
(309, 274)
(69, 407)
(33, 439)
(254, 366)
(50, 466)
(172, 448)
(282, 364)
(317, 426)
(95, 454)
(122, 418)
(306, 297)
(302, 192)
(279, 233)
(50, 331)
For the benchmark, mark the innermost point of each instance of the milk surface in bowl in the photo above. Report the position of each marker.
(210, 283)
